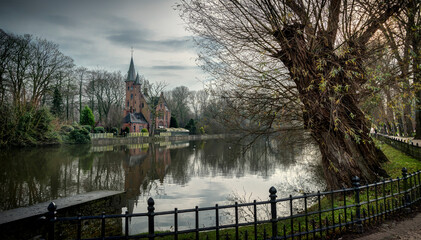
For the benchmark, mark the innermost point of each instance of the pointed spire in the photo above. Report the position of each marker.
(137, 79)
(131, 73)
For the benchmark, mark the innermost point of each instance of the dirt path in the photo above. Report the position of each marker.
(406, 228)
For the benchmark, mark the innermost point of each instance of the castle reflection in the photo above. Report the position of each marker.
(144, 163)
(187, 171)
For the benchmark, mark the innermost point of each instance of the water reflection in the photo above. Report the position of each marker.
(182, 174)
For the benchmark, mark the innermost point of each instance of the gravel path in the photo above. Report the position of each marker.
(406, 228)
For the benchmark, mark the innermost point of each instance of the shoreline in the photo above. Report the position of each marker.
(134, 140)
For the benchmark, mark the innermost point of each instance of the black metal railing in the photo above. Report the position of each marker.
(404, 145)
(307, 216)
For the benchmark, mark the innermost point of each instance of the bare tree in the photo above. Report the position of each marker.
(81, 73)
(6, 48)
(179, 104)
(194, 103)
(108, 91)
(400, 33)
(17, 67)
(46, 63)
(298, 56)
(152, 92)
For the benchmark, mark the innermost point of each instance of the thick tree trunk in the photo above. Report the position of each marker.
(391, 122)
(334, 117)
(407, 119)
(416, 66)
(344, 155)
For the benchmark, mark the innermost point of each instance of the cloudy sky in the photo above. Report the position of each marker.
(100, 34)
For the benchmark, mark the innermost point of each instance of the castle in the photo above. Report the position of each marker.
(137, 114)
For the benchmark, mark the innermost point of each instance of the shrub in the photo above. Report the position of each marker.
(26, 126)
(202, 130)
(191, 126)
(76, 125)
(127, 130)
(114, 130)
(87, 117)
(173, 122)
(41, 129)
(144, 130)
(87, 127)
(79, 136)
(66, 128)
(99, 130)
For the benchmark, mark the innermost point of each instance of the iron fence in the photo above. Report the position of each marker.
(308, 216)
(407, 146)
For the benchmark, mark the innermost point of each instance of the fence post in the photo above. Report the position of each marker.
(356, 184)
(151, 215)
(405, 187)
(273, 196)
(51, 217)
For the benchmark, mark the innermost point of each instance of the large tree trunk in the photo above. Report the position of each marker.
(334, 116)
(407, 118)
(391, 122)
(416, 68)
(344, 155)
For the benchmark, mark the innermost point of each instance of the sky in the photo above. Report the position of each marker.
(99, 34)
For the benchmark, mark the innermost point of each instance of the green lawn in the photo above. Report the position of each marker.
(397, 161)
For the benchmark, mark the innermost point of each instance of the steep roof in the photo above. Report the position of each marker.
(131, 74)
(137, 81)
(134, 118)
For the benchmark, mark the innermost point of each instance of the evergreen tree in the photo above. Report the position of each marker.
(173, 122)
(191, 126)
(87, 117)
(57, 108)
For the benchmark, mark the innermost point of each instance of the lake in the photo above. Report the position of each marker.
(176, 174)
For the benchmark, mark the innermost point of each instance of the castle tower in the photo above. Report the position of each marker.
(134, 102)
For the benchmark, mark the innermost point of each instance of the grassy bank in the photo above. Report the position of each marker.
(397, 161)
(339, 207)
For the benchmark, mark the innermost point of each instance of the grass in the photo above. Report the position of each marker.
(397, 160)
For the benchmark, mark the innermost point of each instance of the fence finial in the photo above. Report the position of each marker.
(151, 204)
(272, 191)
(52, 207)
(355, 181)
(404, 172)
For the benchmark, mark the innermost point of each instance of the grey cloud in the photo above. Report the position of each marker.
(60, 20)
(141, 40)
(172, 67)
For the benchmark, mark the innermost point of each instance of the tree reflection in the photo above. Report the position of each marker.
(30, 176)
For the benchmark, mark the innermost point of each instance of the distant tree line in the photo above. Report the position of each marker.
(199, 111)
(42, 90)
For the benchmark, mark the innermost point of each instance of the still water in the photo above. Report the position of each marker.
(175, 174)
